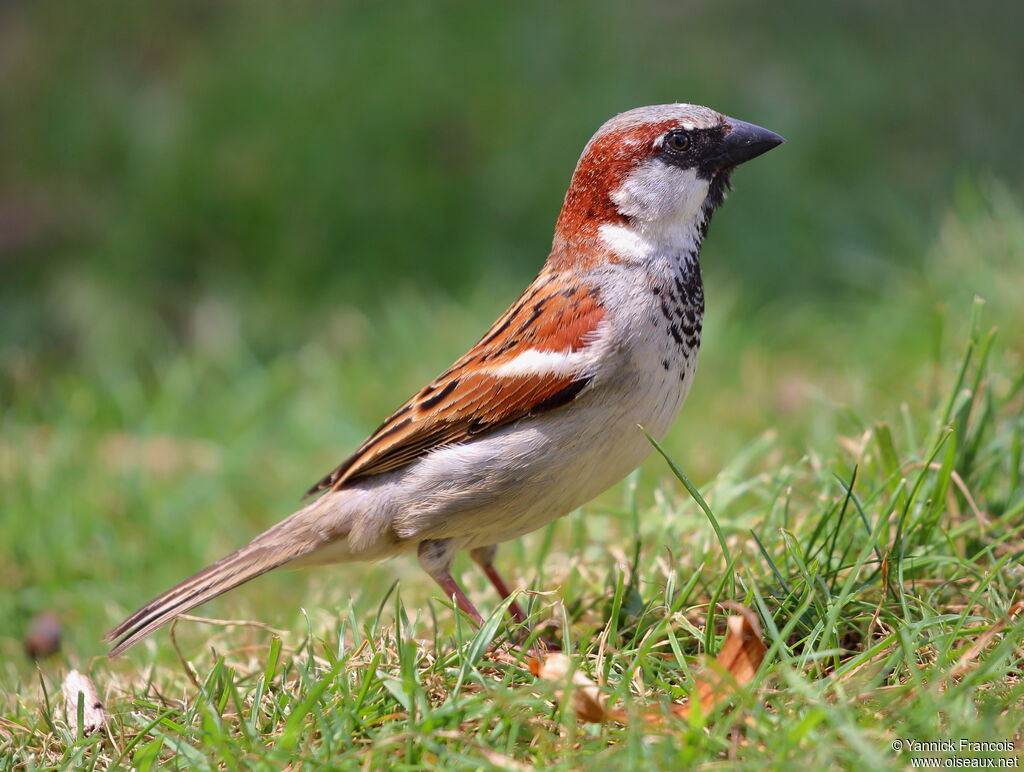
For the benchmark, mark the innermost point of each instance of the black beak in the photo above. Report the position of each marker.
(742, 142)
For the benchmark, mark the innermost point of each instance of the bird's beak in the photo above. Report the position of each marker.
(744, 141)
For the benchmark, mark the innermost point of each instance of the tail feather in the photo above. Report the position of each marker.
(227, 573)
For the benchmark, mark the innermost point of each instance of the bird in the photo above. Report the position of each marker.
(550, 407)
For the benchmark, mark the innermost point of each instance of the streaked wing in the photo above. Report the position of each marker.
(529, 362)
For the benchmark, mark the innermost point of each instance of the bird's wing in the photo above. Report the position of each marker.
(533, 359)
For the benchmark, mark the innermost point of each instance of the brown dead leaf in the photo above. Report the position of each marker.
(737, 661)
(736, 664)
(43, 636)
(588, 703)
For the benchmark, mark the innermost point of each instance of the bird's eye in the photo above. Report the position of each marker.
(677, 141)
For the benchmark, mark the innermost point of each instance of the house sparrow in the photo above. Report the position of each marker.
(543, 413)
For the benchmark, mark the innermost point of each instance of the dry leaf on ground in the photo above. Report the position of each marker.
(76, 684)
(736, 664)
(43, 636)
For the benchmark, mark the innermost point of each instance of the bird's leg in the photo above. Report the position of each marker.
(484, 557)
(436, 559)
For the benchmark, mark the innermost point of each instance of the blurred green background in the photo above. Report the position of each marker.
(234, 236)
(308, 153)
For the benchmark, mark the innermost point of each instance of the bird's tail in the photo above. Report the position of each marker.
(226, 574)
(284, 543)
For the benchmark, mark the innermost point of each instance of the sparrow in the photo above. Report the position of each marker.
(544, 412)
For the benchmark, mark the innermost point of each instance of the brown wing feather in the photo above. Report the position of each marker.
(466, 401)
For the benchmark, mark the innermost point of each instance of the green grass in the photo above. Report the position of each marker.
(858, 470)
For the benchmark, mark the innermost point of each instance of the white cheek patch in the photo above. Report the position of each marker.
(656, 191)
(666, 207)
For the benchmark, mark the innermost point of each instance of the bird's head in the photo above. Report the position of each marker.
(659, 171)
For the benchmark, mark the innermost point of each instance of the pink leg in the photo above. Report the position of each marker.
(484, 557)
(451, 589)
(436, 558)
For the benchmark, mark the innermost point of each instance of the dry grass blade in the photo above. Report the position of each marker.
(967, 660)
(736, 664)
(232, 623)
